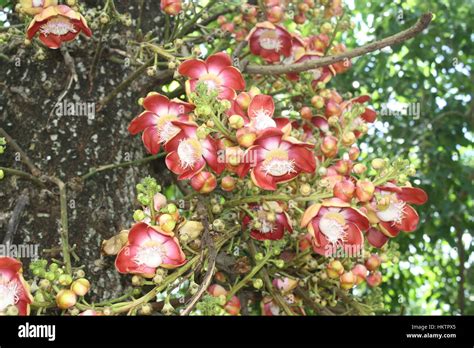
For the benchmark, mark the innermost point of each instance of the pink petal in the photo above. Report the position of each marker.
(413, 195)
(151, 140)
(157, 104)
(232, 78)
(266, 182)
(142, 121)
(193, 68)
(261, 102)
(376, 238)
(410, 219)
(217, 62)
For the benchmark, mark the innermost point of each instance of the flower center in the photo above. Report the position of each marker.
(277, 163)
(265, 225)
(212, 81)
(269, 40)
(150, 256)
(189, 152)
(57, 26)
(394, 212)
(333, 226)
(263, 119)
(8, 294)
(166, 130)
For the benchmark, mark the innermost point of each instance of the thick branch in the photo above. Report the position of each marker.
(402, 36)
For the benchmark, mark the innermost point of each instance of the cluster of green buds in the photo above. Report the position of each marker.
(56, 285)
(207, 103)
(146, 189)
(210, 305)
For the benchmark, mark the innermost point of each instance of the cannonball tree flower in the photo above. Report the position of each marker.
(216, 72)
(147, 249)
(57, 24)
(279, 159)
(14, 291)
(391, 211)
(188, 154)
(155, 121)
(33, 7)
(269, 221)
(335, 224)
(270, 42)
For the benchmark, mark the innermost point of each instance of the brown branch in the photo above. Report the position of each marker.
(20, 205)
(402, 36)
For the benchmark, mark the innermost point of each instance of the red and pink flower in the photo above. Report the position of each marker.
(264, 228)
(57, 24)
(335, 224)
(392, 213)
(156, 121)
(270, 42)
(147, 249)
(216, 72)
(188, 154)
(14, 291)
(279, 159)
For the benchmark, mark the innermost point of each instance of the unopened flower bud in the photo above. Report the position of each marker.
(257, 283)
(365, 190)
(378, 163)
(138, 215)
(236, 121)
(373, 262)
(329, 146)
(348, 138)
(334, 269)
(146, 309)
(305, 189)
(347, 280)
(66, 299)
(81, 286)
(374, 279)
(359, 168)
(64, 279)
(360, 271)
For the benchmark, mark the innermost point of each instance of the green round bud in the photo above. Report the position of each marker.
(139, 215)
(257, 283)
(258, 256)
(53, 267)
(143, 199)
(50, 276)
(280, 263)
(171, 208)
(65, 279)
